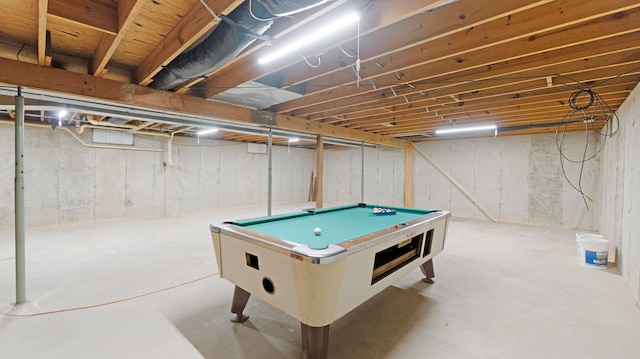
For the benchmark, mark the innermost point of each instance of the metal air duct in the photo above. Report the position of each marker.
(247, 22)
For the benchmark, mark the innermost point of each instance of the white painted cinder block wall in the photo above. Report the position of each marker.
(620, 173)
(517, 179)
(67, 183)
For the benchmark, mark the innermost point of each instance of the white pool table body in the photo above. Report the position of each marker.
(318, 287)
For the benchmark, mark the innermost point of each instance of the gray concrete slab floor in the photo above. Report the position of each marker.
(501, 291)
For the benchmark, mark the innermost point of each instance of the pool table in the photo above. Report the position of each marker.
(317, 265)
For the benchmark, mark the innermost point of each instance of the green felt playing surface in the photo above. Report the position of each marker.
(338, 224)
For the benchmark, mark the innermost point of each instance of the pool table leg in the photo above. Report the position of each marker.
(427, 270)
(240, 299)
(315, 341)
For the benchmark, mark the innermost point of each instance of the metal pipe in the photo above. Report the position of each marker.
(269, 178)
(77, 138)
(362, 176)
(455, 183)
(19, 200)
(170, 150)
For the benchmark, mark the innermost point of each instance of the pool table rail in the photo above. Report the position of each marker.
(333, 252)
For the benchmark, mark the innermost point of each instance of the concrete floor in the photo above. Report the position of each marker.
(501, 291)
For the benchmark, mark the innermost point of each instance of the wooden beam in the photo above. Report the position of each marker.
(196, 22)
(99, 15)
(128, 10)
(319, 170)
(570, 62)
(301, 125)
(379, 15)
(457, 16)
(515, 57)
(549, 81)
(529, 92)
(465, 49)
(91, 87)
(408, 177)
(149, 123)
(42, 30)
(48, 52)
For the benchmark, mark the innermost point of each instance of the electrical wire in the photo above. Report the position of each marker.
(19, 51)
(258, 18)
(310, 64)
(358, 59)
(346, 53)
(107, 303)
(595, 109)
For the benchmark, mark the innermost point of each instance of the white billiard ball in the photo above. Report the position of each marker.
(317, 230)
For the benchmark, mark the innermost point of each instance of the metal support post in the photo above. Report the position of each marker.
(362, 176)
(270, 178)
(19, 199)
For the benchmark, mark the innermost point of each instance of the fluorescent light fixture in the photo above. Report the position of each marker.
(62, 113)
(462, 129)
(207, 131)
(292, 140)
(334, 27)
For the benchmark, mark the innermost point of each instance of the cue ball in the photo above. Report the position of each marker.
(317, 230)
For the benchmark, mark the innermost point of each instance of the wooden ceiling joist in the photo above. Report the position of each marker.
(42, 31)
(569, 59)
(127, 12)
(99, 15)
(395, 10)
(380, 47)
(608, 26)
(197, 22)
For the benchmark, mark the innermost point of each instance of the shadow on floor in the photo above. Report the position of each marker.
(369, 331)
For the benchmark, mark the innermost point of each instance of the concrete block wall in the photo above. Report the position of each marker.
(67, 183)
(620, 173)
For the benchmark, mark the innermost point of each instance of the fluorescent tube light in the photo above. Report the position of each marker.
(334, 27)
(462, 129)
(207, 131)
(292, 140)
(62, 113)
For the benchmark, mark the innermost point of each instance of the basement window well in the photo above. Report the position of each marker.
(112, 137)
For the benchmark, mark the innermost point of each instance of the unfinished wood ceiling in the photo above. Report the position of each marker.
(423, 64)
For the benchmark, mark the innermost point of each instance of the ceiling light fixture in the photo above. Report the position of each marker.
(207, 131)
(61, 114)
(463, 129)
(291, 140)
(324, 32)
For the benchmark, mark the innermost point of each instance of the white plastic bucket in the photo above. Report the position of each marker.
(592, 249)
